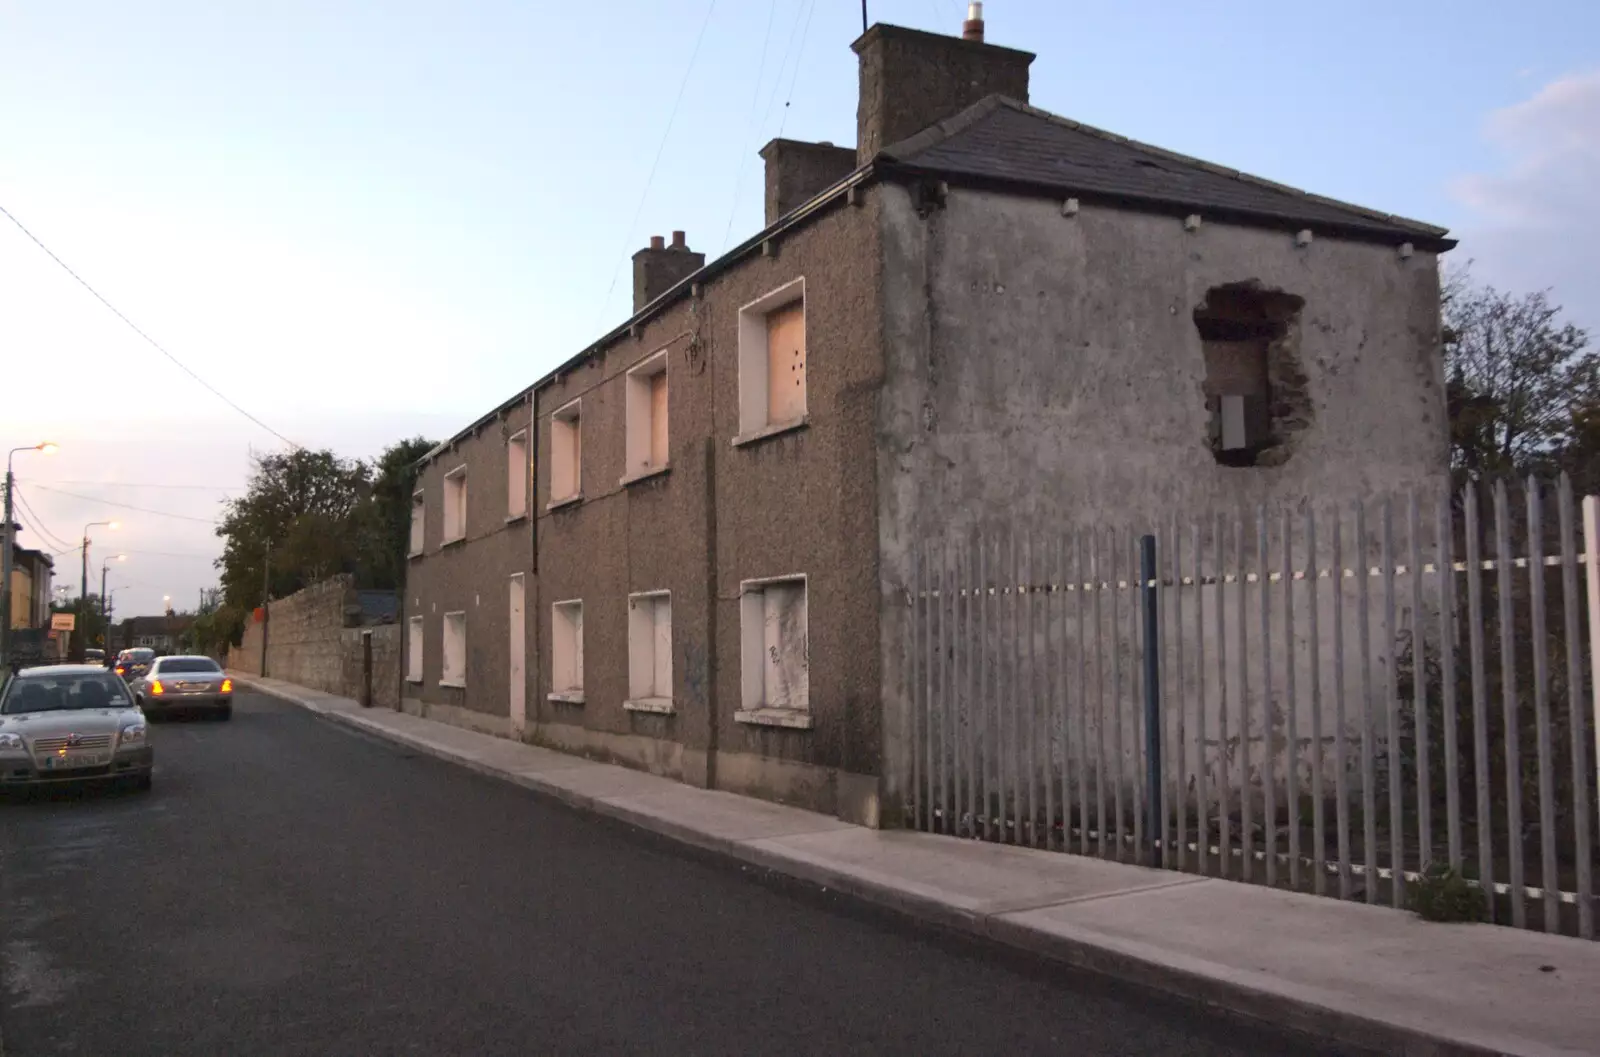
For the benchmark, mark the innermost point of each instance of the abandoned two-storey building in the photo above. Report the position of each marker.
(686, 548)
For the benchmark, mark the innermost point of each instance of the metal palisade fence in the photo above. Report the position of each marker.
(1325, 699)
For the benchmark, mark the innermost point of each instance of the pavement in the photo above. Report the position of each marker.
(1366, 976)
(289, 887)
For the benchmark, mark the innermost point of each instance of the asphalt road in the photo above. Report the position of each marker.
(293, 888)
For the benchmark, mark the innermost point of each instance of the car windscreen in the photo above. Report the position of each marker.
(141, 656)
(181, 665)
(61, 693)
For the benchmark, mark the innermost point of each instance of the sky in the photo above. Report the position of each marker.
(362, 221)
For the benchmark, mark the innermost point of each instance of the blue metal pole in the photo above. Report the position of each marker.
(1152, 698)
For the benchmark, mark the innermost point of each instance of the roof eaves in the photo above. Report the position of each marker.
(1170, 206)
(1395, 220)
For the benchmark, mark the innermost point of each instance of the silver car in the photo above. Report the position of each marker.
(71, 722)
(184, 684)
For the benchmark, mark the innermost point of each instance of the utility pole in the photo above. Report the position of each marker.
(5, 571)
(82, 632)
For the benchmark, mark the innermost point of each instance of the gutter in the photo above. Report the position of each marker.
(1376, 233)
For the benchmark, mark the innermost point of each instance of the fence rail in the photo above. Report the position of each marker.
(1326, 700)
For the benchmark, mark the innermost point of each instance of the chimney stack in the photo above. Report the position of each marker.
(660, 267)
(972, 28)
(797, 172)
(911, 79)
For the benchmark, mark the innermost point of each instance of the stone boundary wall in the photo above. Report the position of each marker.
(309, 645)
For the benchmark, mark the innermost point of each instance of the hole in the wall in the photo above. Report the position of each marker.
(1255, 390)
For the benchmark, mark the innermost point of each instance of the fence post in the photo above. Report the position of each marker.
(1591, 543)
(1152, 699)
(366, 669)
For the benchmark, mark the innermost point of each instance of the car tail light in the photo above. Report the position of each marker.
(157, 689)
(119, 669)
(227, 686)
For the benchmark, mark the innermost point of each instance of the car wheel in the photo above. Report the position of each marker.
(143, 782)
(225, 712)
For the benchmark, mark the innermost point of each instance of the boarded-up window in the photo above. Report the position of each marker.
(455, 650)
(455, 505)
(566, 453)
(775, 658)
(772, 360)
(414, 650)
(646, 394)
(650, 647)
(418, 524)
(566, 648)
(517, 475)
(786, 363)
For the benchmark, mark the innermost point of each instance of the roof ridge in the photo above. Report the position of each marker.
(1211, 167)
(939, 131)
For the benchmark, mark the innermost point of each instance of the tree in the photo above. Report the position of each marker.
(387, 528)
(316, 515)
(1518, 379)
(298, 508)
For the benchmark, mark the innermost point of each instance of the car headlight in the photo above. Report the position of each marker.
(132, 734)
(10, 741)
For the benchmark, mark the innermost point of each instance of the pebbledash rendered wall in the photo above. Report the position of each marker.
(309, 645)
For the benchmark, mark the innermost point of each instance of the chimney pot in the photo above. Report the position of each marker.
(972, 28)
(660, 267)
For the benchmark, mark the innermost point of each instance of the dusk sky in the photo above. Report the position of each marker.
(363, 221)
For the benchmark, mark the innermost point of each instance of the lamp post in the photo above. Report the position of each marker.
(46, 448)
(105, 613)
(83, 592)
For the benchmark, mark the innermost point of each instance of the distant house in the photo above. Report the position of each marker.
(688, 548)
(162, 634)
(32, 573)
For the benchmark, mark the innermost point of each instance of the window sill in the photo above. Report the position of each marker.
(415, 679)
(793, 718)
(454, 684)
(644, 475)
(452, 541)
(412, 555)
(567, 697)
(659, 705)
(771, 431)
(516, 517)
(557, 504)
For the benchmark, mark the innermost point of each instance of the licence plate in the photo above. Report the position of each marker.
(82, 759)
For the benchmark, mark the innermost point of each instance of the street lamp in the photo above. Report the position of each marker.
(105, 615)
(83, 592)
(45, 448)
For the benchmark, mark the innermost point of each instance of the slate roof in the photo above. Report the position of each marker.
(1002, 140)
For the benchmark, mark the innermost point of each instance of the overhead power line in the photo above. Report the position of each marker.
(38, 522)
(49, 541)
(127, 506)
(135, 328)
(154, 484)
(799, 56)
(660, 149)
(751, 130)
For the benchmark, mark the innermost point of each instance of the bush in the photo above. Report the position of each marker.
(1441, 893)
